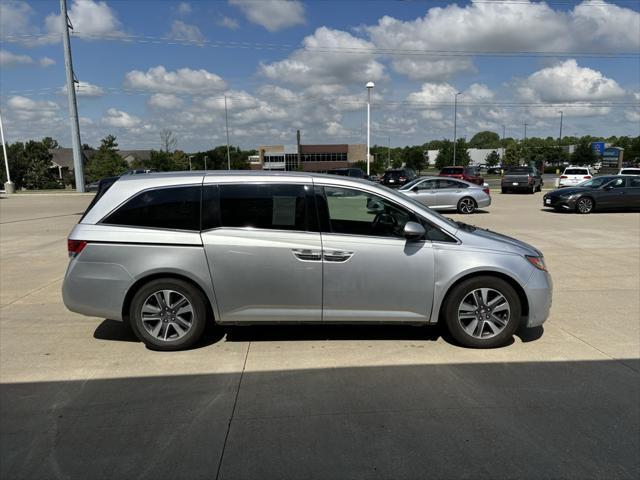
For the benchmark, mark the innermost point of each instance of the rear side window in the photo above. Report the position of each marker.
(451, 171)
(175, 208)
(275, 207)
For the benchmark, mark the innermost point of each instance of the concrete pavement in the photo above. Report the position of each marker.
(80, 397)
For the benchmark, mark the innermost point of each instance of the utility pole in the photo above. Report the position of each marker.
(369, 86)
(226, 121)
(504, 134)
(524, 142)
(9, 186)
(388, 151)
(560, 137)
(455, 124)
(71, 95)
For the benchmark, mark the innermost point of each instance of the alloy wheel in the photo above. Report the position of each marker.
(483, 313)
(585, 205)
(167, 315)
(467, 205)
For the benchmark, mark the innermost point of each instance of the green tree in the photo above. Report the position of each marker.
(18, 164)
(445, 154)
(414, 158)
(485, 139)
(513, 154)
(38, 174)
(492, 159)
(106, 162)
(50, 142)
(462, 153)
(583, 154)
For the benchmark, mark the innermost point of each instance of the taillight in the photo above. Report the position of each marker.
(530, 180)
(74, 247)
(403, 179)
(587, 177)
(487, 191)
(563, 176)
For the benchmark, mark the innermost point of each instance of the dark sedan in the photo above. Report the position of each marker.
(600, 193)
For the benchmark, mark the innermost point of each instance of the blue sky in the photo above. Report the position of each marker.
(148, 65)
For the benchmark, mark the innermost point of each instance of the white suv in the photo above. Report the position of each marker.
(629, 171)
(574, 175)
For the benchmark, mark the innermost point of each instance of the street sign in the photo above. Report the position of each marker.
(598, 148)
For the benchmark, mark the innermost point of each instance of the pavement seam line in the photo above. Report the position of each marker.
(40, 218)
(233, 411)
(617, 360)
(39, 289)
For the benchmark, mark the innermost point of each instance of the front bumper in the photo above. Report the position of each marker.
(539, 291)
(559, 203)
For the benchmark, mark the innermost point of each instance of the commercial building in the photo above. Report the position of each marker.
(308, 158)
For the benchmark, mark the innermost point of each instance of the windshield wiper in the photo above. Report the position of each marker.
(464, 226)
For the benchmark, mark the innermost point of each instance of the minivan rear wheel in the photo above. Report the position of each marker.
(168, 314)
(483, 312)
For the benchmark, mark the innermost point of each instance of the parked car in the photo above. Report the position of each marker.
(629, 171)
(572, 176)
(468, 174)
(448, 194)
(347, 172)
(600, 193)
(521, 178)
(168, 253)
(397, 177)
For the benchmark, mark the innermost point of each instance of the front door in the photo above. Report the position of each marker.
(424, 192)
(613, 194)
(263, 252)
(371, 272)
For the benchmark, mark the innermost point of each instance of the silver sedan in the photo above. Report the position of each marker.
(441, 193)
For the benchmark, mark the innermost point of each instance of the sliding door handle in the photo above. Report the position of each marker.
(307, 254)
(336, 255)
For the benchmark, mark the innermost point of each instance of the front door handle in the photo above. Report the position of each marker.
(307, 254)
(336, 255)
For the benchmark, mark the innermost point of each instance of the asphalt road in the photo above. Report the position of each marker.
(81, 398)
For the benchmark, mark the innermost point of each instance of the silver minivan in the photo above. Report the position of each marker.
(168, 252)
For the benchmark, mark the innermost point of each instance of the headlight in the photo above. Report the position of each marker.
(537, 262)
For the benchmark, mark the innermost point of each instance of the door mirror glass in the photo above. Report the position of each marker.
(414, 231)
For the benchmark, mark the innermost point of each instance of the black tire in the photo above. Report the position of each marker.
(504, 190)
(455, 298)
(539, 189)
(585, 205)
(532, 189)
(466, 205)
(197, 318)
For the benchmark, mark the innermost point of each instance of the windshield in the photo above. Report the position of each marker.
(595, 182)
(630, 171)
(412, 183)
(576, 171)
(451, 171)
(393, 174)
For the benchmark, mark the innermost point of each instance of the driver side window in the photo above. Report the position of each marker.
(354, 212)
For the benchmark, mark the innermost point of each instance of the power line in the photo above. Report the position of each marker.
(146, 39)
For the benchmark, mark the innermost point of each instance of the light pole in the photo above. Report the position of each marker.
(9, 186)
(190, 157)
(226, 122)
(504, 134)
(560, 137)
(369, 86)
(455, 123)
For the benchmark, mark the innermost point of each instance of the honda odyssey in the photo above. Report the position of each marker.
(168, 252)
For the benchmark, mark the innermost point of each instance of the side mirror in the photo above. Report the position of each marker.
(414, 231)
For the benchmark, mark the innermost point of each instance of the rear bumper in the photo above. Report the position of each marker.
(484, 202)
(539, 291)
(95, 289)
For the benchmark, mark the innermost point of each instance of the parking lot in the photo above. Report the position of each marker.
(81, 398)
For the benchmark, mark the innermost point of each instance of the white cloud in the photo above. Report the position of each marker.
(501, 27)
(184, 31)
(8, 59)
(184, 8)
(273, 15)
(27, 109)
(228, 22)
(85, 89)
(312, 67)
(568, 82)
(119, 119)
(183, 80)
(89, 17)
(633, 116)
(46, 62)
(165, 100)
(15, 18)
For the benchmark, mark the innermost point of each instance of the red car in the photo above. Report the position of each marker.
(469, 174)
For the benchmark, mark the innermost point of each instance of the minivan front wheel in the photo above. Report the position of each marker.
(483, 312)
(168, 314)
